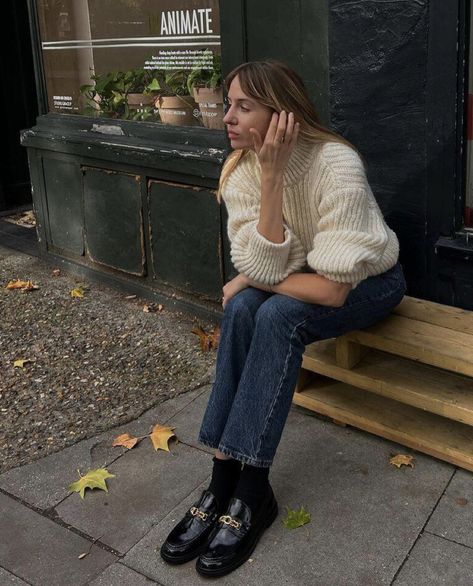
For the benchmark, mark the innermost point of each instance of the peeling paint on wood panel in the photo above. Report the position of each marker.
(114, 220)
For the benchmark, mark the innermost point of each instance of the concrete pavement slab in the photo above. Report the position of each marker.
(366, 514)
(7, 579)
(435, 561)
(44, 553)
(44, 483)
(187, 422)
(144, 556)
(147, 485)
(120, 575)
(453, 516)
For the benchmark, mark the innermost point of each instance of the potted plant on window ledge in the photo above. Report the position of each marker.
(121, 94)
(206, 87)
(175, 105)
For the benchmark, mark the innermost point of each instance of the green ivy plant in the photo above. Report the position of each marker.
(171, 83)
(209, 78)
(113, 88)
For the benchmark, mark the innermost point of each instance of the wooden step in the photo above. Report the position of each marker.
(420, 341)
(422, 386)
(437, 314)
(426, 432)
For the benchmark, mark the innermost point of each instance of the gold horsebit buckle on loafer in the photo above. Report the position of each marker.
(197, 513)
(230, 521)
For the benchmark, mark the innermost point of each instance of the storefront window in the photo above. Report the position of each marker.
(153, 60)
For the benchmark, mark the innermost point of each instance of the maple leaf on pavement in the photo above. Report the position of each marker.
(296, 518)
(93, 479)
(126, 440)
(402, 459)
(160, 435)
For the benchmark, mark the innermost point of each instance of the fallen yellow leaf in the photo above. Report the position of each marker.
(160, 435)
(77, 292)
(20, 363)
(93, 479)
(402, 460)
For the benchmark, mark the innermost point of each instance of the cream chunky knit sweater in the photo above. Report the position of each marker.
(332, 223)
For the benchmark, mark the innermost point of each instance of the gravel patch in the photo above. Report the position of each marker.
(96, 362)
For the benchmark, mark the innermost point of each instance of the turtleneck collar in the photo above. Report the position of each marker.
(298, 163)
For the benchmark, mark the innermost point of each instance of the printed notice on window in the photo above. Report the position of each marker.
(125, 58)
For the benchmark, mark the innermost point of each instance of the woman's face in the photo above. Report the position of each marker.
(244, 113)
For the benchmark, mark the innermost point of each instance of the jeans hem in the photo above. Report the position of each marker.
(244, 458)
(208, 443)
(235, 454)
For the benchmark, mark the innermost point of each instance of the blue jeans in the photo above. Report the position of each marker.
(262, 340)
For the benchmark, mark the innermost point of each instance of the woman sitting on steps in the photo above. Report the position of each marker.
(315, 260)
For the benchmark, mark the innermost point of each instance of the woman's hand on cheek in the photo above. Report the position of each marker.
(233, 287)
(281, 138)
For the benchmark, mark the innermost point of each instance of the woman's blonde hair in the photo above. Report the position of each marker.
(275, 85)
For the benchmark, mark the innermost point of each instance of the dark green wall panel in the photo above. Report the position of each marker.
(185, 238)
(63, 185)
(113, 219)
(295, 32)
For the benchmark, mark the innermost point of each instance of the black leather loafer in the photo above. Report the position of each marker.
(235, 536)
(189, 537)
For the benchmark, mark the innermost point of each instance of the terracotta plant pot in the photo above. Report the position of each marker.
(140, 100)
(177, 110)
(211, 106)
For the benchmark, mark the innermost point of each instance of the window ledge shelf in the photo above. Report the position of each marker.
(459, 247)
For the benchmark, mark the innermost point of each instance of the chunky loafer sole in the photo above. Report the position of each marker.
(243, 556)
(181, 558)
(189, 537)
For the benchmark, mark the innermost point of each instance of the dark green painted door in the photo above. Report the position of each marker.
(113, 219)
(185, 238)
(63, 181)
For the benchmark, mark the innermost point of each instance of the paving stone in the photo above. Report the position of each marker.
(453, 516)
(7, 579)
(366, 514)
(120, 575)
(188, 421)
(44, 553)
(147, 486)
(435, 561)
(44, 483)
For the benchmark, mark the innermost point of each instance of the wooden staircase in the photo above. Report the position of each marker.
(409, 379)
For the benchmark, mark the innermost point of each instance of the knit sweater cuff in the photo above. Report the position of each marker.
(261, 259)
(352, 264)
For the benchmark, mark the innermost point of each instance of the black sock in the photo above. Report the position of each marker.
(225, 475)
(252, 486)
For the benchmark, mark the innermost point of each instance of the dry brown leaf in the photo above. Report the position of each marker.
(152, 307)
(56, 272)
(126, 440)
(402, 460)
(207, 340)
(160, 435)
(461, 501)
(21, 285)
